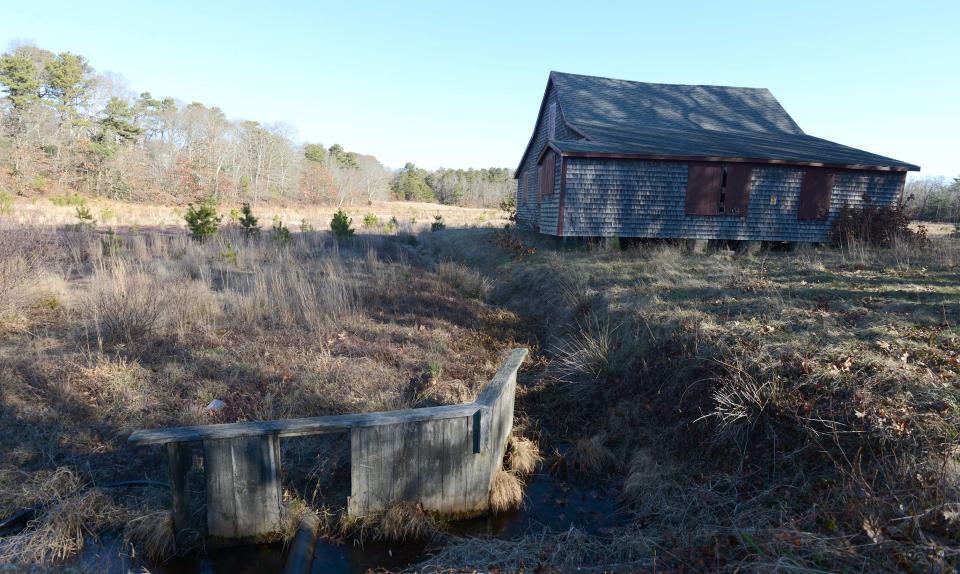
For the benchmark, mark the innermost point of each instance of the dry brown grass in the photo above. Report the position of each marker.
(792, 397)
(151, 536)
(147, 328)
(413, 217)
(592, 455)
(523, 455)
(506, 491)
(401, 521)
(61, 527)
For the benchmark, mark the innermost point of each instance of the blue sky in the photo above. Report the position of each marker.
(458, 84)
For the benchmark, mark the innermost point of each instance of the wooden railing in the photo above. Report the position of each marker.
(442, 457)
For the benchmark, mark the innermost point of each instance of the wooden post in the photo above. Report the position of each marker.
(243, 488)
(179, 461)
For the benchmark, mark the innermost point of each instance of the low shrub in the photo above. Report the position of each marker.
(340, 225)
(438, 224)
(878, 226)
(370, 220)
(202, 221)
(248, 221)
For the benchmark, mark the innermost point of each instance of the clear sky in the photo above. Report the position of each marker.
(458, 84)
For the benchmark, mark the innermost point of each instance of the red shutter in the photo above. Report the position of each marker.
(703, 188)
(736, 197)
(547, 174)
(815, 195)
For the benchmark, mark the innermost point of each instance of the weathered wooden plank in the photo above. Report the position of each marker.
(431, 465)
(458, 445)
(179, 461)
(506, 375)
(256, 480)
(404, 455)
(358, 503)
(218, 473)
(243, 487)
(298, 427)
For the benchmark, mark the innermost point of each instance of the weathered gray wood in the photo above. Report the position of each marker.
(357, 501)
(243, 488)
(405, 454)
(179, 461)
(506, 375)
(445, 457)
(431, 465)
(299, 427)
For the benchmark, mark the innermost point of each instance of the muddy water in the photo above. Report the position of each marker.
(550, 503)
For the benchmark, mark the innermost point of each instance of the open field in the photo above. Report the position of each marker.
(102, 334)
(785, 410)
(792, 411)
(411, 216)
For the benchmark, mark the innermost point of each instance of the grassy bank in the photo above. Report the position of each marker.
(795, 411)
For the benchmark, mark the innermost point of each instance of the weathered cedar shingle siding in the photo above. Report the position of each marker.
(636, 198)
(529, 214)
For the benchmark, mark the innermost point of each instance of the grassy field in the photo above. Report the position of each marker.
(103, 333)
(409, 216)
(793, 411)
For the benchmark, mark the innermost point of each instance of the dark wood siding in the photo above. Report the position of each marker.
(703, 188)
(815, 195)
(547, 174)
(736, 191)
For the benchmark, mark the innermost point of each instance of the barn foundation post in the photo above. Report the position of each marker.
(698, 246)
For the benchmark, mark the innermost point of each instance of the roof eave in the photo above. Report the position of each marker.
(763, 161)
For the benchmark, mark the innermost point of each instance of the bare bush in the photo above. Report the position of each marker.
(124, 305)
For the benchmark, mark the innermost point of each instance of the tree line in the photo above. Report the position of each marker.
(933, 199)
(66, 127)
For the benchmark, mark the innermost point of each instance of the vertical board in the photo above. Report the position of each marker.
(357, 502)
(243, 487)
(407, 462)
(458, 446)
(179, 460)
(431, 465)
(218, 473)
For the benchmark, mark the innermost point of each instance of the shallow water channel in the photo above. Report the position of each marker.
(550, 503)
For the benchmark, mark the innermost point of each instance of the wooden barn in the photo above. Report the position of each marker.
(630, 159)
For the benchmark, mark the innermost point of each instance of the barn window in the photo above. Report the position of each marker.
(815, 195)
(718, 189)
(704, 181)
(735, 192)
(546, 174)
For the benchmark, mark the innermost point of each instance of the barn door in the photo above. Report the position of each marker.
(704, 181)
(815, 195)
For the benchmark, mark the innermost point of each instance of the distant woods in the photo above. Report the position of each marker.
(64, 128)
(933, 199)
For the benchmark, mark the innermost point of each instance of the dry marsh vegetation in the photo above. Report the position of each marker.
(104, 333)
(793, 411)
